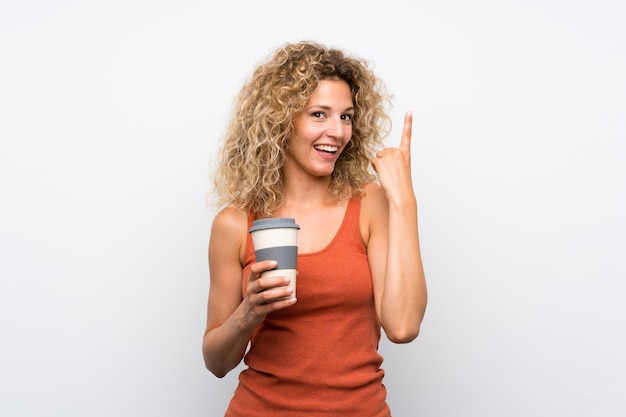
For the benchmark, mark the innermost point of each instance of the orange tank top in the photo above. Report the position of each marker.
(320, 356)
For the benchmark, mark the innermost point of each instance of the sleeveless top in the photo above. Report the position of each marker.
(318, 357)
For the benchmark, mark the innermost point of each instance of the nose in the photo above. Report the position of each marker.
(336, 127)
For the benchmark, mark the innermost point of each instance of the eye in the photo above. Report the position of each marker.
(317, 114)
(347, 117)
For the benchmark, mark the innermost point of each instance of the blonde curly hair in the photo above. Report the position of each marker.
(249, 172)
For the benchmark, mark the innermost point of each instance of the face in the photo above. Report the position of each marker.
(321, 130)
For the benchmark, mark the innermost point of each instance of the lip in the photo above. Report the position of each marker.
(326, 154)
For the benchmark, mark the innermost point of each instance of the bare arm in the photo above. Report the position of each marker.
(393, 247)
(231, 318)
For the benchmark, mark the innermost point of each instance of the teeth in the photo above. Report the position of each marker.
(326, 148)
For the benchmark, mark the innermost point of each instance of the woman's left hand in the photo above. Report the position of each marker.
(393, 166)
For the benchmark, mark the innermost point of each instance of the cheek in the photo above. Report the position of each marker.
(297, 145)
(301, 133)
(346, 144)
(348, 136)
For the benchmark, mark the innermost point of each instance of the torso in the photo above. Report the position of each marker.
(321, 371)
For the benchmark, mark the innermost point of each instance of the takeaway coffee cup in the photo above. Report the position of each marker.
(277, 239)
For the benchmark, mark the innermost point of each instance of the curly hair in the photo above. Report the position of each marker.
(249, 172)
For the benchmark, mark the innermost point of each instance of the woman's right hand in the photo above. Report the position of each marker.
(265, 294)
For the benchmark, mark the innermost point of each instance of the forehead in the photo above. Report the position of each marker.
(331, 92)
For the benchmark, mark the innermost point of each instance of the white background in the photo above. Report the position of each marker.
(109, 116)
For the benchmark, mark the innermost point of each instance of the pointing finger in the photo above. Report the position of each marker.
(407, 129)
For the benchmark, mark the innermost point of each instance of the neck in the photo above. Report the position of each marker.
(309, 193)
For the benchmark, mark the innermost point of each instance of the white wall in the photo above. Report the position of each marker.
(109, 116)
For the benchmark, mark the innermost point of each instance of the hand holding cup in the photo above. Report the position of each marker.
(272, 282)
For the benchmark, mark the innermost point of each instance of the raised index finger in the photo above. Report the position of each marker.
(407, 131)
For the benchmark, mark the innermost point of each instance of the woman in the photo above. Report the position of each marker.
(304, 132)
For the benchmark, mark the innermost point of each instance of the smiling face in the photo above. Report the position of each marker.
(321, 130)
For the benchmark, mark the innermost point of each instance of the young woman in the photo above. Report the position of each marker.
(306, 132)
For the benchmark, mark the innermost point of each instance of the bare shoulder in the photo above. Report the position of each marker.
(229, 231)
(231, 219)
(374, 199)
(374, 211)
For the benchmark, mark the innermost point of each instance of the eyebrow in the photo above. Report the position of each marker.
(324, 107)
